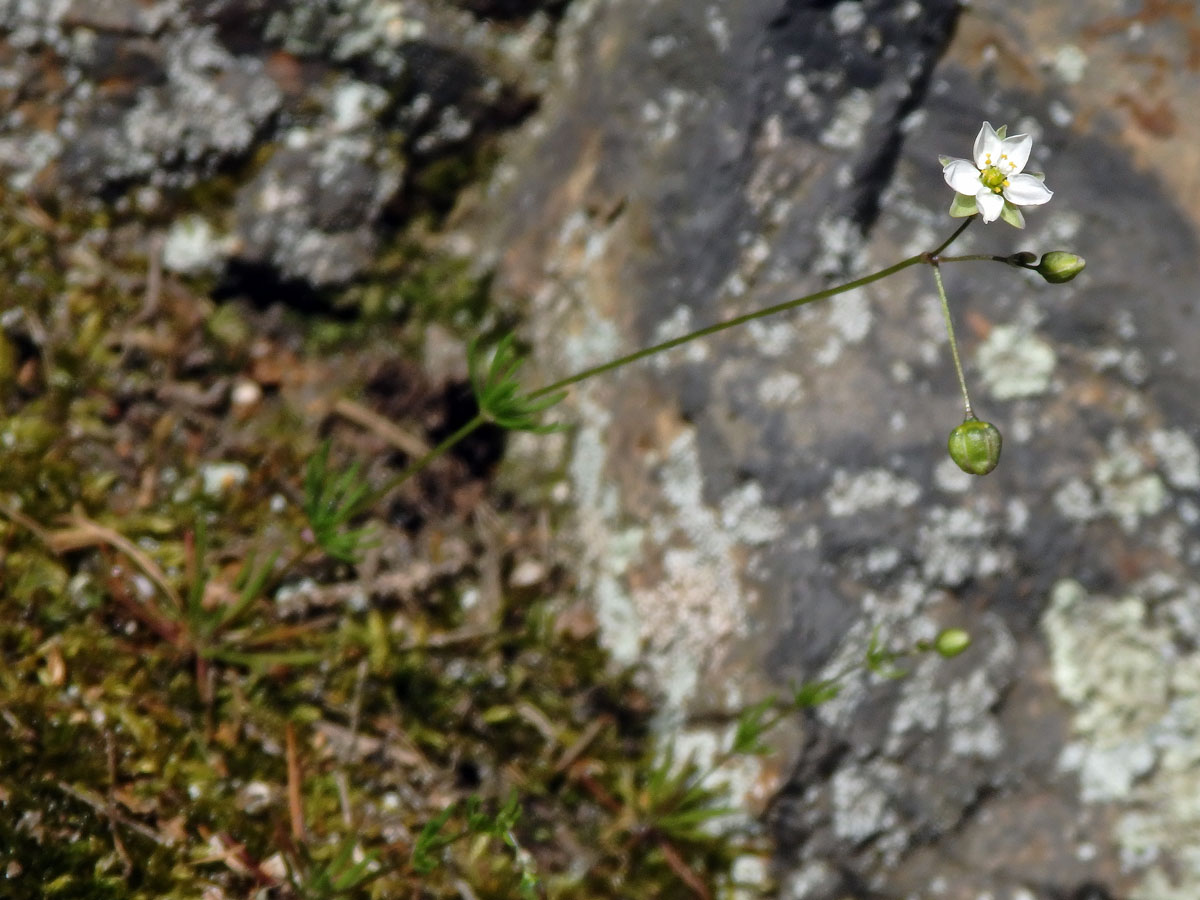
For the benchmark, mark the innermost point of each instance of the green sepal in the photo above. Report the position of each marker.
(1002, 132)
(1012, 215)
(963, 206)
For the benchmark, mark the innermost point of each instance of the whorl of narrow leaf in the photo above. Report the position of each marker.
(331, 500)
(499, 394)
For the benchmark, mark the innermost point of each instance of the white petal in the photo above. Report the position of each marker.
(990, 205)
(962, 176)
(1014, 153)
(1025, 190)
(988, 147)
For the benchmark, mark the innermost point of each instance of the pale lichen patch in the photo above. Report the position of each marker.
(850, 120)
(1076, 501)
(1178, 457)
(780, 389)
(957, 544)
(1070, 63)
(679, 624)
(861, 807)
(744, 515)
(848, 16)
(772, 338)
(949, 478)
(1128, 492)
(1014, 363)
(850, 315)
(1136, 702)
(192, 247)
(852, 493)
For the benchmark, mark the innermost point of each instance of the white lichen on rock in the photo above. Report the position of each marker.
(193, 247)
(850, 315)
(849, 493)
(957, 544)
(1128, 490)
(1076, 500)
(1014, 363)
(850, 120)
(1136, 701)
(861, 808)
(848, 17)
(1178, 457)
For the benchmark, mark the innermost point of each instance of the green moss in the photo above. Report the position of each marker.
(132, 734)
(416, 281)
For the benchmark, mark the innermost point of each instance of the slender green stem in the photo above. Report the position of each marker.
(929, 257)
(954, 237)
(749, 317)
(786, 710)
(962, 382)
(429, 457)
(722, 326)
(978, 256)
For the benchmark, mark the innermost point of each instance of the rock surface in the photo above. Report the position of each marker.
(752, 507)
(330, 121)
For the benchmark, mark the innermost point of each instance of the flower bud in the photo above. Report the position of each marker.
(1060, 266)
(951, 641)
(975, 446)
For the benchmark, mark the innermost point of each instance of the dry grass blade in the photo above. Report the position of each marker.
(387, 429)
(295, 803)
(82, 532)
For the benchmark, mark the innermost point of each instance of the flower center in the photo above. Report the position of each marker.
(993, 179)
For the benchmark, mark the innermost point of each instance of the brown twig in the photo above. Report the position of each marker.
(573, 752)
(154, 280)
(110, 748)
(680, 867)
(167, 629)
(295, 805)
(340, 777)
(82, 532)
(382, 426)
(97, 803)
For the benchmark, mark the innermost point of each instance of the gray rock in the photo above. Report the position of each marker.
(753, 506)
(329, 113)
(310, 212)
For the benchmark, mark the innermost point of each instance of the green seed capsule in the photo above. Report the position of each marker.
(1059, 266)
(975, 446)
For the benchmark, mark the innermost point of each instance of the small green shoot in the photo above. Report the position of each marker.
(433, 839)
(338, 877)
(676, 802)
(499, 394)
(206, 625)
(217, 634)
(430, 842)
(814, 693)
(331, 500)
(752, 725)
(881, 661)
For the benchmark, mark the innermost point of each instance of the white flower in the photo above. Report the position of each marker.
(993, 185)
